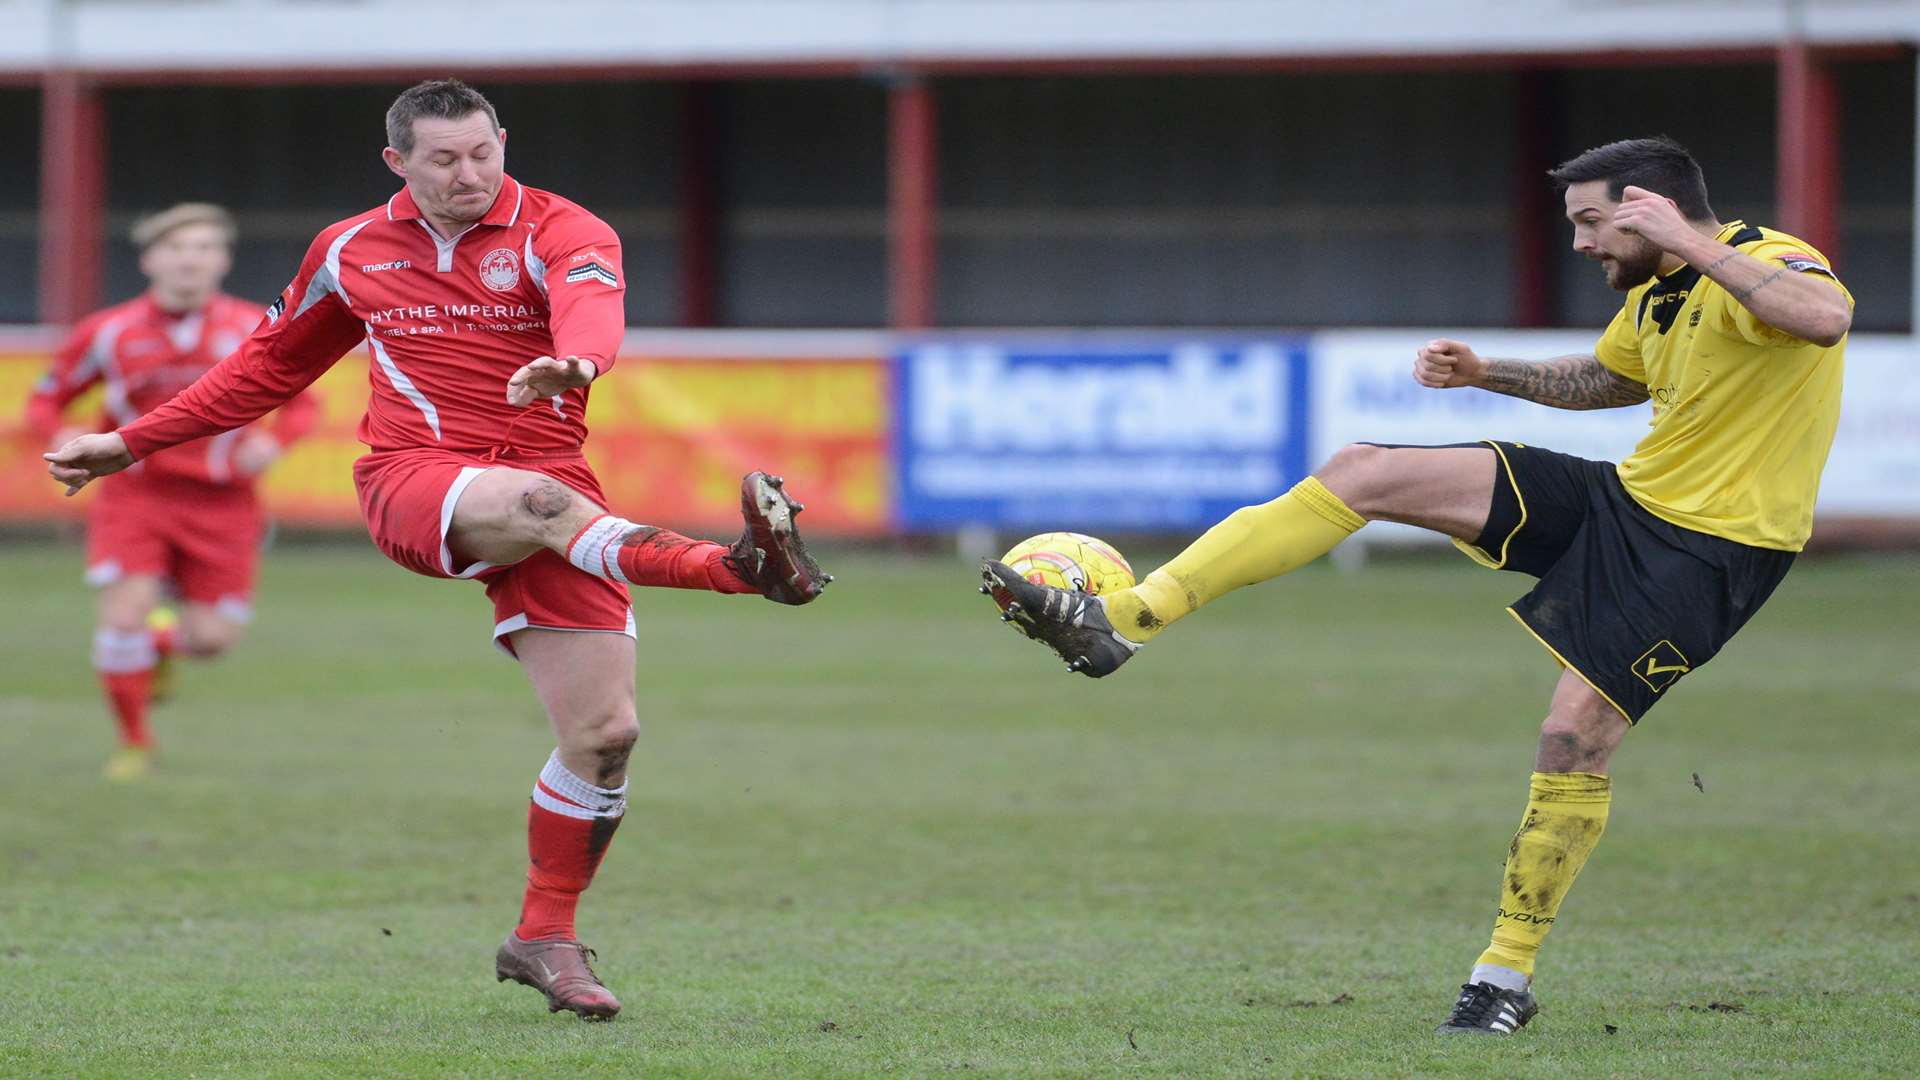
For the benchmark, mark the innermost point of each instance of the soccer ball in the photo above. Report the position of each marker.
(1067, 560)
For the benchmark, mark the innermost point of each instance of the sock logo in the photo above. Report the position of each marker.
(1659, 666)
(1524, 916)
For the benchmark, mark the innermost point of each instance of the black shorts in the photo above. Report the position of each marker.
(1629, 601)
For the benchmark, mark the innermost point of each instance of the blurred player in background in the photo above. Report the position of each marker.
(1736, 333)
(489, 308)
(187, 517)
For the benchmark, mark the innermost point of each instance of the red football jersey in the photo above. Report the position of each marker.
(447, 321)
(144, 355)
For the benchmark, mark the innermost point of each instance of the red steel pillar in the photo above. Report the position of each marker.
(1536, 224)
(699, 229)
(72, 196)
(912, 203)
(1807, 144)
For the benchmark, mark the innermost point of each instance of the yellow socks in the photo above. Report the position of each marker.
(1566, 813)
(1253, 544)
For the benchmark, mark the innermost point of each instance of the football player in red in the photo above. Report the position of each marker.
(186, 517)
(489, 308)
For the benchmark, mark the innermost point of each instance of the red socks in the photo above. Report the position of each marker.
(615, 548)
(128, 691)
(125, 663)
(569, 825)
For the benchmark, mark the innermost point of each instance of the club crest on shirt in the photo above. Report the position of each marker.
(500, 269)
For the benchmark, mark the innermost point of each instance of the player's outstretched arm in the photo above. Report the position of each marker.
(86, 457)
(1565, 382)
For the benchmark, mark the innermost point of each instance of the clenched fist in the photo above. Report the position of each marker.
(1444, 363)
(87, 457)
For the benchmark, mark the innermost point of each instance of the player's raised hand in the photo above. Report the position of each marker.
(87, 457)
(1655, 218)
(544, 377)
(255, 453)
(1444, 363)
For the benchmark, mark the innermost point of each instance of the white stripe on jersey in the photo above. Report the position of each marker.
(403, 384)
(536, 266)
(100, 357)
(330, 271)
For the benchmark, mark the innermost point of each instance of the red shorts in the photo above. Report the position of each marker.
(407, 498)
(205, 538)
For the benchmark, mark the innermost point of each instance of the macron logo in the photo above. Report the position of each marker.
(374, 268)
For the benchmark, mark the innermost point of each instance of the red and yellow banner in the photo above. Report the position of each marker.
(671, 437)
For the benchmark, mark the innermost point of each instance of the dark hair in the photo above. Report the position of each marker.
(1658, 164)
(438, 99)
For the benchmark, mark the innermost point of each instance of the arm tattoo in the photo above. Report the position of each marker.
(1742, 294)
(1719, 262)
(1567, 382)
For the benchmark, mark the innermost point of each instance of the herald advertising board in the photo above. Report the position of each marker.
(1097, 431)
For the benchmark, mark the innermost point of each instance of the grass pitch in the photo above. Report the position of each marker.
(884, 835)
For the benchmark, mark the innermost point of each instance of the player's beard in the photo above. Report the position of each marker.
(1631, 269)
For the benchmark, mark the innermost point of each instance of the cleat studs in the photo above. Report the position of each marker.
(986, 590)
(1004, 617)
(777, 481)
(799, 506)
(1014, 606)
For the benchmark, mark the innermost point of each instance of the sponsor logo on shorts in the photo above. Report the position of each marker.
(500, 269)
(1659, 666)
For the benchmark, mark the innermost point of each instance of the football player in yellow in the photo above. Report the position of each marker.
(1735, 334)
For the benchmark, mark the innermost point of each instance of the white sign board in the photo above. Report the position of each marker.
(1363, 391)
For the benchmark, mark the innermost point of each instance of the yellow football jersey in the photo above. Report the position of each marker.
(1743, 415)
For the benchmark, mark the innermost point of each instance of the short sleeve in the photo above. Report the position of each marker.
(1619, 348)
(1731, 317)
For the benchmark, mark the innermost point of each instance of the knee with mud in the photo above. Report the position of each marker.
(1579, 740)
(606, 747)
(544, 499)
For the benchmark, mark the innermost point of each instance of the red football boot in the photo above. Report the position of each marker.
(559, 969)
(769, 552)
